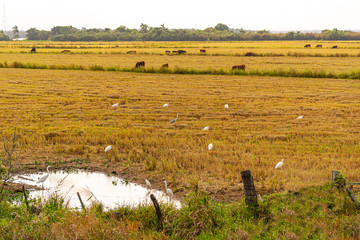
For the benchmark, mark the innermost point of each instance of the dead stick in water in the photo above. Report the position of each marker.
(158, 210)
(26, 200)
(81, 202)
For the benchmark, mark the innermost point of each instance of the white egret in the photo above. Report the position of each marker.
(166, 105)
(168, 190)
(148, 183)
(43, 179)
(174, 120)
(279, 164)
(210, 146)
(226, 106)
(300, 117)
(206, 128)
(115, 105)
(108, 148)
(260, 198)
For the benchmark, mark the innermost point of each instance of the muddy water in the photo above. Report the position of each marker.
(92, 186)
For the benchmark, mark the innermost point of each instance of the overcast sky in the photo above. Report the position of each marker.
(250, 14)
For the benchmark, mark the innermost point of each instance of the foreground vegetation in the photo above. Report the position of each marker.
(323, 212)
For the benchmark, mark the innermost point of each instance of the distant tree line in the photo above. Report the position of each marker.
(4, 37)
(220, 32)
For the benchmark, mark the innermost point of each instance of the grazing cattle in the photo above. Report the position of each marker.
(33, 50)
(249, 54)
(238, 67)
(140, 64)
(165, 65)
(307, 46)
(179, 52)
(334, 46)
(131, 52)
(319, 46)
(202, 50)
(167, 52)
(65, 51)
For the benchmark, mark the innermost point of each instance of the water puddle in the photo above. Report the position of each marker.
(111, 191)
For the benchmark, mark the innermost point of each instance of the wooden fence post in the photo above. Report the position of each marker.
(249, 188)
(157, 209)
(348, 190)
(81, 202)
(26, 200)
(334, 175)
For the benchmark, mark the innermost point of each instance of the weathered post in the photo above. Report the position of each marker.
(25, 197)
(348, 190)
(157, 209)
(334, 175)
(81, 202)
(249, 188)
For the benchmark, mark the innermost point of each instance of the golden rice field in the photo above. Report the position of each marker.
(65, 117)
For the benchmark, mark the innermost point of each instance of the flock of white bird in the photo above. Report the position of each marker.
(147, 182)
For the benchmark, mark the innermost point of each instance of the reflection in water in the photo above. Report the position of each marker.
(111, 191)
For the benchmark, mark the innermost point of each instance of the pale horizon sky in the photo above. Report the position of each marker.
(276, 15)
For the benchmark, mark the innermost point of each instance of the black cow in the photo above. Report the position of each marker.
(307, 46)
(33, 50)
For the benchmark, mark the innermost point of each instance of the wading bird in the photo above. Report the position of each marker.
(174, 120)
(166, 105)
(43, 179)
(115, 105)
(148, 183)
(168, 190)
(210, 146)
(279, 164)
(226, 106)
(206, 128)
(260, 198)
(108, 148)
(300, 117)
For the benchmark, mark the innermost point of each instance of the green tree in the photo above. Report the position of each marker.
(221, 27)
(143, 28)
(32, 34)
(15, 31)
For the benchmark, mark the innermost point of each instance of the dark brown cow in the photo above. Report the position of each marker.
(179, 51)
(65, 51)
(238, 67)
(334, 46)
(33, 50)
(131, 52)
(165, 65)
(140, 64)
(307, 46)
(319, 46)
(249, 54)
(167, 52)
(202, 50)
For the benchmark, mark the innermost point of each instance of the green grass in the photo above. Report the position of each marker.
(192, 71)
(323, 212)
